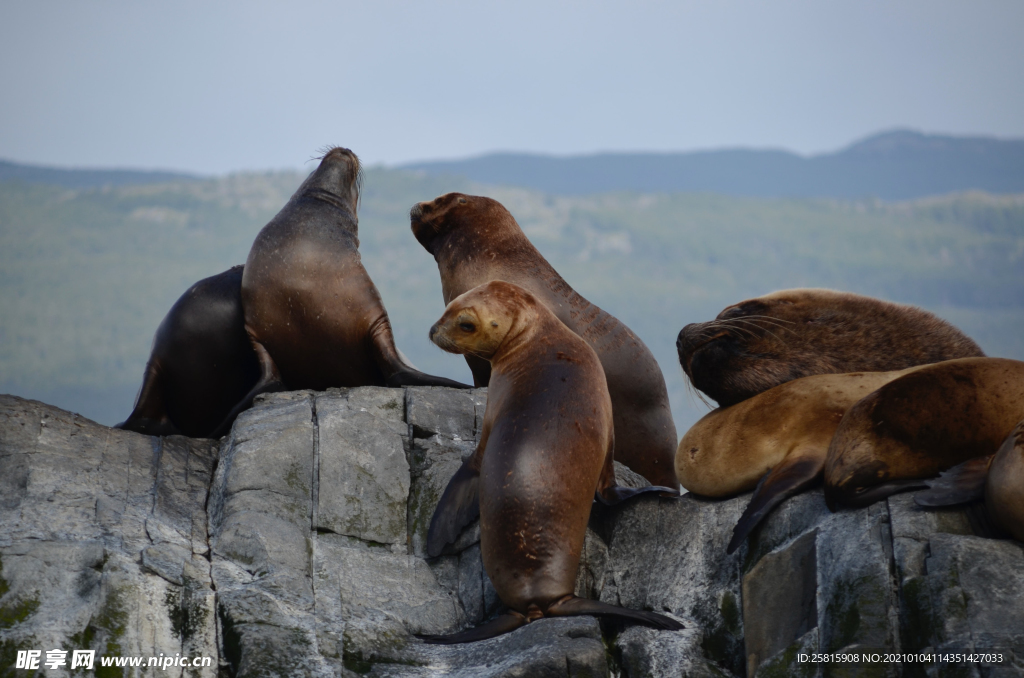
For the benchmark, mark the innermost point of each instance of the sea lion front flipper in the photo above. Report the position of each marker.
(510, 621)
(959, 485)
(610, 493)
(571, 606)
(616, 494)
(796, 472)
(459, 505)
(397, 372)
(270, 382)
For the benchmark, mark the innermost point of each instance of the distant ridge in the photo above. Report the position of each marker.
(895, 165)
(86, 178)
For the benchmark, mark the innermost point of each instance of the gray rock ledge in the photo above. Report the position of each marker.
(295, 548)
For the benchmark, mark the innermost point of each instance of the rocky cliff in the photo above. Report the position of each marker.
(295, 548)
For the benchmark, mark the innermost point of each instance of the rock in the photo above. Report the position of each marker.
(102, 539)
(363, 471)
(784, 581)
(296, 547)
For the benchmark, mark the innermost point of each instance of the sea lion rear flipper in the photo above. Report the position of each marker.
(459, 506)
(795, 473)
(270, 382)
(959, 485)
(150, 414)
(572, 606)
(509, 621)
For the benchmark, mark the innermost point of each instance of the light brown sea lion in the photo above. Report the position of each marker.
(760, 343)
(998, 479)
(779, 437)
(920, 424)
(202, 363)
(475, 240)
(545, 450)
(313, 314)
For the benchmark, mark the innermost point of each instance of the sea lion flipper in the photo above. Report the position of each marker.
(572, 606)
(509, 621)
(398, 372)
(150, 413)
(959, 485)
(459, 506)
(795, 473)
(610, 493)
(270, 382)
(616, 494)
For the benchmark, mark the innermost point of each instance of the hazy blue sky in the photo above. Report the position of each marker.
(211, 87)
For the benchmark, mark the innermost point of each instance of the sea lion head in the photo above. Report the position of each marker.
(861, 475)
(481, 321)
(903, 433)
(459, 215)
(760, 343)
(337, 179)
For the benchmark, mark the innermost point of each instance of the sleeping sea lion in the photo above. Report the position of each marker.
(920, 424)
(201, 365)
(760, 343)
(313, 314)
(475, 240)
(545, 450)
(998, 479)
(779, 437)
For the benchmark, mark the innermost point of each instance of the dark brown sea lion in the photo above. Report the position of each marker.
(920, 424)
(545, 449)
(202, 363)
(314, 317)
(997, 479)
(1004, 489)
(760, 343)
(475, 240)
(779, 437)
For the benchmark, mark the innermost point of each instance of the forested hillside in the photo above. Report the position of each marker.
(88, 273)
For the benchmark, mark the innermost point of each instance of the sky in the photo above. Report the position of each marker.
(218, 87)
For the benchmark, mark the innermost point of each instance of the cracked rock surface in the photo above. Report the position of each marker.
(295, 547)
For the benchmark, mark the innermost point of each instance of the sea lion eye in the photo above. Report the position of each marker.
(467, 327)
(462, 201)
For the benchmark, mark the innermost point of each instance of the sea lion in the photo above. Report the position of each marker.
(313, 314)
(475, 240)
(201, 365)
(545, 450)
(998, 479)
(1004, 489)
(779, 437)
(760, 343)
(920, 424)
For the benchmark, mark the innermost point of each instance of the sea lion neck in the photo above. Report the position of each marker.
(486, 243)
(526, 323)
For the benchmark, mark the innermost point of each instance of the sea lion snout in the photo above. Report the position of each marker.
(336, 180)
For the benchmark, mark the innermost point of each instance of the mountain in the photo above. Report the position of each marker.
(897, 165)
(86, 178)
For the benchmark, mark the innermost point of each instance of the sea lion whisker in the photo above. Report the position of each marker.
(768, 317)
(716, 328)
(757, 326)
(692, 390)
